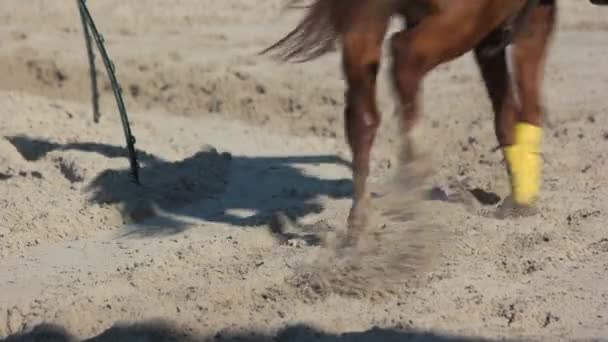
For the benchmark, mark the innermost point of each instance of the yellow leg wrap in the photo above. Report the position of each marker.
(524, 163)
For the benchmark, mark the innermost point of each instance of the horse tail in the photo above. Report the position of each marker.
(319, 30)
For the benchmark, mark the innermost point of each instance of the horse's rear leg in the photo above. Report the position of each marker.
(361, 60)
(529, 51)
(417, 51)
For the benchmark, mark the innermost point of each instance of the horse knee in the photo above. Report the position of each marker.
(359, 113)
(361, 117)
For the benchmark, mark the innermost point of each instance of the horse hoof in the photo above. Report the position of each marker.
(509, 209)
(409, 179)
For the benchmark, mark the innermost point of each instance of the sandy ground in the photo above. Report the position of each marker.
(226, 138)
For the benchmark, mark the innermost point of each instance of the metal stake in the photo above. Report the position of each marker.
(88, 22)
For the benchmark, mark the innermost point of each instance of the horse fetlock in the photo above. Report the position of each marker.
(414, 160)
(358, 221)
(524, 163)
(358, 218)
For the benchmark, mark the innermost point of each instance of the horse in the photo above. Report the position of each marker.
(436, 32)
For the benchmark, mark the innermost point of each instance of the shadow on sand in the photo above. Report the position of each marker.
(161, 331)
(207, 186)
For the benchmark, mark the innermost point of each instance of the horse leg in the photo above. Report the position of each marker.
(495, 74)
(496, 77)
(361, 60)
(522, 154)
(417, 51)
(410, 64)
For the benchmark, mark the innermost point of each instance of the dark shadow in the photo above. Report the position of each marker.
(35, 149)
(485, 197)
(160, 331)
(208, 186)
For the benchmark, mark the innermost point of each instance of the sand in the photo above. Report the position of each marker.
(227, 139)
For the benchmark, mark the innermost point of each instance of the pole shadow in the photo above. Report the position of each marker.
(208, 186)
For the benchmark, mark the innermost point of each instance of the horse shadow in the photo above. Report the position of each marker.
(208, 186)
(163, 331)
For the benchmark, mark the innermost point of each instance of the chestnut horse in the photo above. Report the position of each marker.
(437, 31)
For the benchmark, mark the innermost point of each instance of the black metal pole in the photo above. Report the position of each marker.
(115, 87)
(92, 69)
